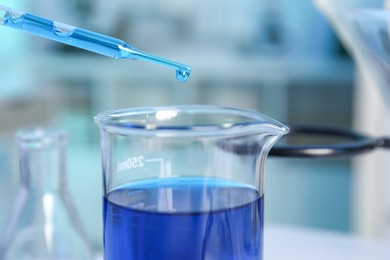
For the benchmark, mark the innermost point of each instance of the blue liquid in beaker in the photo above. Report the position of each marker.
(187, 228)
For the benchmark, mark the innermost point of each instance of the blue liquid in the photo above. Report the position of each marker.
(87, 40)
(174, 219)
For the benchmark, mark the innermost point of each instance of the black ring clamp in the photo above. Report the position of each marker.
(358, 144)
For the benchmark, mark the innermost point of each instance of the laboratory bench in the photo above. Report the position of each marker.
(294, 243)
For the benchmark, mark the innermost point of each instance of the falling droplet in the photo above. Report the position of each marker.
(182, 75)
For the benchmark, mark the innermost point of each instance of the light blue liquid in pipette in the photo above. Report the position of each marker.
(87, 40)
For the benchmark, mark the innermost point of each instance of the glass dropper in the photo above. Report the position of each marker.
(84, 39)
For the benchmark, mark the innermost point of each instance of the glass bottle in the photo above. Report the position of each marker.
(43, 224)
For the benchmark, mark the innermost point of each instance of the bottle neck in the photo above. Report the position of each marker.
(42, 161)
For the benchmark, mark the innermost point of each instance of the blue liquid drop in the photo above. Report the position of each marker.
(182, 75)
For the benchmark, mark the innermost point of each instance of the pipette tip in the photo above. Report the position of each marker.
(182, 71)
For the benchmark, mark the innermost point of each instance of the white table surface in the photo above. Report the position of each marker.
(290, 243)
(287, 243)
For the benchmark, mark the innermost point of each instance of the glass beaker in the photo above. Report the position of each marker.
(43, 224)
(184, 182)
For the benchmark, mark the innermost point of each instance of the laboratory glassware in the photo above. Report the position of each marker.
(363, 25)
(184, 182)
(84, 39)
(44, 224)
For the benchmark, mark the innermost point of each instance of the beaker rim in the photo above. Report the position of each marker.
(163, 119)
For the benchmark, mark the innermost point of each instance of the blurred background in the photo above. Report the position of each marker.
(279, 57)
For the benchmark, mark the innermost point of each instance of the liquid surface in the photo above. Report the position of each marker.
(183, 219)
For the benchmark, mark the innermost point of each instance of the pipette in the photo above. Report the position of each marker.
(84, 39)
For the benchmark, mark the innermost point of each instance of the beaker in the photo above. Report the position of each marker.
(44, 224)
(184, 182)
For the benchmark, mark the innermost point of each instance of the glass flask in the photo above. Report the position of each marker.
(184, 182)
(43, 224)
